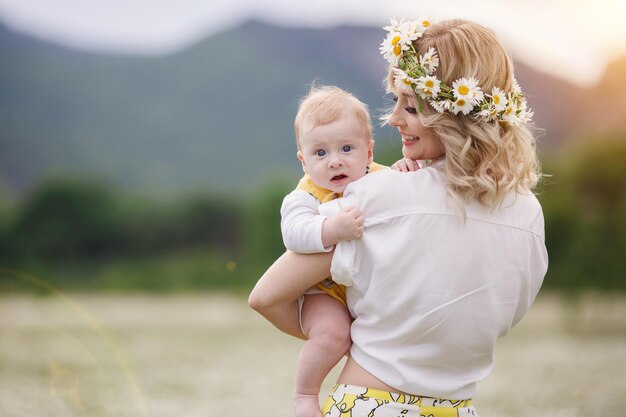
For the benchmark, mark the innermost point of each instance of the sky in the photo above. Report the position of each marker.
(572, 39)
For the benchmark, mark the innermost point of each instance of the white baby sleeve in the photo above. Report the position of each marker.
(301, 224)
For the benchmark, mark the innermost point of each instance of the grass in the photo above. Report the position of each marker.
(209, 355)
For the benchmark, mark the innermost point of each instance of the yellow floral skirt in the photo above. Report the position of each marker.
(353, 401)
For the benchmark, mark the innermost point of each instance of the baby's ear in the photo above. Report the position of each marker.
(370, 152)
(301, 159)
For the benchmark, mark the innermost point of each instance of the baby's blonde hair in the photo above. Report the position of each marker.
(325, 104)
(483, 161)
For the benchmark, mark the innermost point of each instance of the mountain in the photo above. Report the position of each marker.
(218, 115)
(605, 110)
(569, 112)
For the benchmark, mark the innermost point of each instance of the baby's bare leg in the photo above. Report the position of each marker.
(326, 322)
(275, 295)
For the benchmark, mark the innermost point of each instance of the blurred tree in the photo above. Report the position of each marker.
(5, 218)
(261, 234)
(211, 220)
(67, 219)
(199, 220)
(387, 155)
(585, 210)
(216, 241)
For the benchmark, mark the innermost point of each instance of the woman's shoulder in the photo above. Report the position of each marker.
(392, 180)
(384, 193)
(519, 209)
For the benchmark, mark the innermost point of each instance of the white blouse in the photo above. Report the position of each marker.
(430, 293)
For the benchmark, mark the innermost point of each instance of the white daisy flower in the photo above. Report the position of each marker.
(483, 114)
(393, 46)
(415, 29)
(510, 114)
(525, 115)
(516, 88)
(424, 22)
(478, 95)
(465, 88)
(440, 106)
(430, 60)
(428, 86)
(463, 105)
(516, 112)
(402, 81)
(521, 104)
(409, 30)
(498, 98)
(394, 27)
(489, 114)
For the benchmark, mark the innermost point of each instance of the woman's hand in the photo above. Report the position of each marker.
(405, 165)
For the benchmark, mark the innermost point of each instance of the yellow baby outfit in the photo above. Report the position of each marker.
(324, 195)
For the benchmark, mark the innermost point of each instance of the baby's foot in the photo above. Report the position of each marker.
(307, 405)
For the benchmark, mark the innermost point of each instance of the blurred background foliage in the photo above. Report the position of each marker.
(85, 235)
(166, 173)
(584, 202)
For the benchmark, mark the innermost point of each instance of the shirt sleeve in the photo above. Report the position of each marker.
(301, 224)
(537, 268)
(344, 266)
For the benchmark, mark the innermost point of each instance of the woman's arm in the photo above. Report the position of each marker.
(276, 294)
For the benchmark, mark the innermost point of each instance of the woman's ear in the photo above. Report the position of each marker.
(301, 159)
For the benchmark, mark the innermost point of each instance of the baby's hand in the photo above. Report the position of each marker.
(348, 224)
(405, 165)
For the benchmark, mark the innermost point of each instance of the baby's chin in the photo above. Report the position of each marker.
(337, 189)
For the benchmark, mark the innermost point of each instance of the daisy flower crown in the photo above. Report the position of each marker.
(415, 73)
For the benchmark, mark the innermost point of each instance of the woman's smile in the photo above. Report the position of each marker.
(409, 140)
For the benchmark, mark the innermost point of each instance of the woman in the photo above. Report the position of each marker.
(453, 254)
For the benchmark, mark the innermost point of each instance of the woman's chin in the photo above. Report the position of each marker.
(411, 155)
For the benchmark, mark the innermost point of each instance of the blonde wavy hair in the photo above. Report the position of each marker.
(483, 161)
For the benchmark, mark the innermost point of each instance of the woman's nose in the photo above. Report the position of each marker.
(395, 120)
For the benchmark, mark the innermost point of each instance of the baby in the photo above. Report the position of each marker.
(335, 147)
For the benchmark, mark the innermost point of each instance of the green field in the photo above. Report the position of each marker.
(209, 355)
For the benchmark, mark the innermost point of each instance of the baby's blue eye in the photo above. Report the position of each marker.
(346, 148)
(320, 152)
